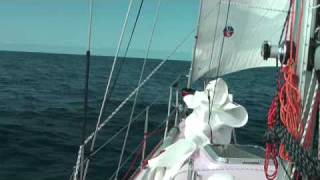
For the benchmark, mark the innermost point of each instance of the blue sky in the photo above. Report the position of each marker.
(60, 26)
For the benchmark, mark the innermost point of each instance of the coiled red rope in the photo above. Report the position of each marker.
(288, 96)
(271, 150)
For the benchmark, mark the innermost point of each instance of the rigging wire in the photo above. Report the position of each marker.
(222, 44)
(91, 136)
(148, 135)
(157, 129)
(99, 126)
(285, 23)
(217, 75)
(211, 60)
(93, 153)
(196, 37)
(122, 59)
(280, 40)
(164, 60)
(215, 34)
(140, 80)
(123, 128)
(109, 81)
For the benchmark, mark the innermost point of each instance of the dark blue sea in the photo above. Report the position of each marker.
(41, 110)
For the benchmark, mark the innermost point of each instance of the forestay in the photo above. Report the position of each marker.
(230, 34)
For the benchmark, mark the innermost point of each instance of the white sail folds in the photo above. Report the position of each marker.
(230, 35)
(216, 120)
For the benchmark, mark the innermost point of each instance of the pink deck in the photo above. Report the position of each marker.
(205, 167)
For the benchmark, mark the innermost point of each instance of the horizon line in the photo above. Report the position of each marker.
(79, 54)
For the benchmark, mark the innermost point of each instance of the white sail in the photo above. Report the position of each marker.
(252, 21)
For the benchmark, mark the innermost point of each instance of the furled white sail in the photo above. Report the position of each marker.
(252, 21)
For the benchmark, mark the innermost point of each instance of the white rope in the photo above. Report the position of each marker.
(109, 81)
(307, 98)
(309, 119)
(306, 127)
(137, 93)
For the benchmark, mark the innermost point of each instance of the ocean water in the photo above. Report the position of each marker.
(41, 110)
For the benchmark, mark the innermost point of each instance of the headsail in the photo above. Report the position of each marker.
(230, 34)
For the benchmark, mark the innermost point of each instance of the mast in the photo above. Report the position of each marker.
(304, 69)
(308, 70)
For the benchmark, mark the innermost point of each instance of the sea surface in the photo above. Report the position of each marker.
(41, 111)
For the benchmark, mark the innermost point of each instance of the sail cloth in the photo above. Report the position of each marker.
(219, 51)
(216, 120)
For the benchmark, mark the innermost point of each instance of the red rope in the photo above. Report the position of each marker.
(289, 95)
(271, 151)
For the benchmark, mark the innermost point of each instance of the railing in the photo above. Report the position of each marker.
(172, 119)
(170, 114)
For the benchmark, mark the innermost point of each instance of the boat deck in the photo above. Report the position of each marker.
(234, 162)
